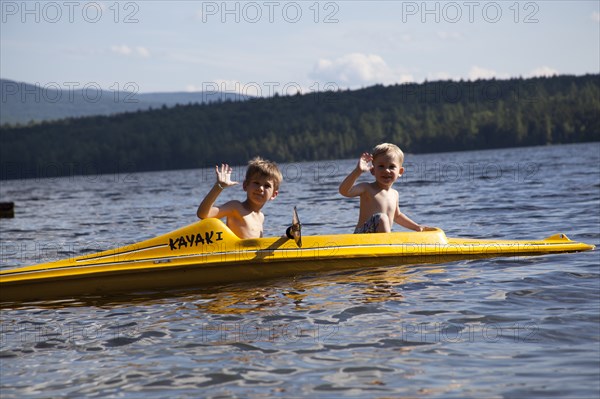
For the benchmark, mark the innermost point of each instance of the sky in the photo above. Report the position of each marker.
(267, 47)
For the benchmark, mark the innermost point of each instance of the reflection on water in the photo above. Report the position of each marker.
(462, 328)
(372, 286)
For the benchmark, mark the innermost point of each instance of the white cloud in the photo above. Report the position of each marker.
(545, 71)
(596, 16)
(357, 69)
(442, 76)
(143, 51)
(477, 72)
(122, 49)
(128, 51)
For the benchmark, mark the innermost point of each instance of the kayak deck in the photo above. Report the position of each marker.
(208, 253)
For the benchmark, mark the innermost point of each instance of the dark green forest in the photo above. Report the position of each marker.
(420, 118)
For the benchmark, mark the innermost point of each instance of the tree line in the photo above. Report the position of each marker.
(427, 117)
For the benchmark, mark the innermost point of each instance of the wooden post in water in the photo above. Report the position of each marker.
(7, 209)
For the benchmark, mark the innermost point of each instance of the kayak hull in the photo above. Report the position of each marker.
(207, 253)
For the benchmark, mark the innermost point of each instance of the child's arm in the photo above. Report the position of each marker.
(407, 222)
(206, 208)
(347, 187)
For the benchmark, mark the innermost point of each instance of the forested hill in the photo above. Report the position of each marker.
(427, 117)
(24, 104)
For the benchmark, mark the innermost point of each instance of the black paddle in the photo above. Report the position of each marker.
(294, 232)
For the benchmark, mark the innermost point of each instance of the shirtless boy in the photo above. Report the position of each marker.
(379, 207)
(245, 218)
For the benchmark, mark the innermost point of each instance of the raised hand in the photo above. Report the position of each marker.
(363, 162)
(224, 176)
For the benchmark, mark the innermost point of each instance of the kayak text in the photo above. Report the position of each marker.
(194, 240)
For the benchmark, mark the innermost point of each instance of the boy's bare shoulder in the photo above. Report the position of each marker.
(363, 187)
(237, 209)
(233, 205)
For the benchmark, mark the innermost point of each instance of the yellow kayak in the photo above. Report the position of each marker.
(208, 253)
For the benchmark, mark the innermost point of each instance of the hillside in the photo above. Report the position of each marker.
(24, 103)
(428, 117)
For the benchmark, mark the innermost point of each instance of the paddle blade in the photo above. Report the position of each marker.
(295, 230)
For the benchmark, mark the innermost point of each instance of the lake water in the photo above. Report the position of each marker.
(514, 327)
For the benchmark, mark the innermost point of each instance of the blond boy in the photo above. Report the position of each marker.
(245, 218)
(379, 207)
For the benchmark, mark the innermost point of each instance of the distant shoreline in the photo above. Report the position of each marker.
(432, 117)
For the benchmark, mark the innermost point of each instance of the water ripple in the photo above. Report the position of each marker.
(509, 327)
